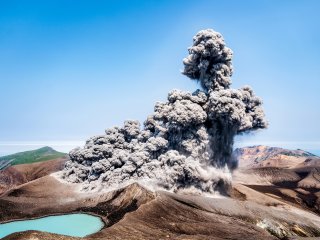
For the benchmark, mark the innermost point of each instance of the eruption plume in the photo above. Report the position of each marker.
(186, 144)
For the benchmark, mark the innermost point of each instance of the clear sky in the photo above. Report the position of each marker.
(70, 69)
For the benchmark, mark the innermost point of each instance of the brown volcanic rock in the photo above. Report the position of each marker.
(40, 197)
(19, 174)
(47, 195)
(310, 162)
(40, 169)
(302, 192)
(133, 212)
(170, 216)
(282, 161)
(266, 176)
(264, 156)
(35, 235)
(130, 213)
(10, 178)
(136, 213)
(312, 180)
(290, 175)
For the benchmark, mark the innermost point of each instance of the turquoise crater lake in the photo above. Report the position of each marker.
(76, 225)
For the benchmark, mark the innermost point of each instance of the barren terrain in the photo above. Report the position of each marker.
(274, 202)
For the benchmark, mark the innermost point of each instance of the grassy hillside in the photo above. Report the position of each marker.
(38, 155)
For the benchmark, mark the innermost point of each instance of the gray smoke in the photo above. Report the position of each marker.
(187, 142)
(209, 61)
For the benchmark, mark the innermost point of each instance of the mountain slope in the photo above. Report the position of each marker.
(275, 207)
(264, 156)
(290, 175)
(19, 174)
(38, 155)
(134, 212)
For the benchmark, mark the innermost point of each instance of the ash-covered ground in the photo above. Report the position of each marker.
(186, 144)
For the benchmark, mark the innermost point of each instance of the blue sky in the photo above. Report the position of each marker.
(70, 69)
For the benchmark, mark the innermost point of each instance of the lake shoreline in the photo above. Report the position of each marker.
(101, 223)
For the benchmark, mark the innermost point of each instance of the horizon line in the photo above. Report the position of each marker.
(79, 142)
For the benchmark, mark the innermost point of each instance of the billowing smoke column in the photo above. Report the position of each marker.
(186, 144)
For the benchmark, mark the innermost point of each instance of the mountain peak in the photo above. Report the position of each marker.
(32, 156)
(259, 156)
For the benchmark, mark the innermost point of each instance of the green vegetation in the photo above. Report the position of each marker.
(38, 155)
(297, 153)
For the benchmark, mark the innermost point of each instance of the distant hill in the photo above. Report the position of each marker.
(264, 156)
(289, 175)
(38, 155)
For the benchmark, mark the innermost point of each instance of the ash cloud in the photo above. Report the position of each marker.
(209, 61)
(187, 142)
